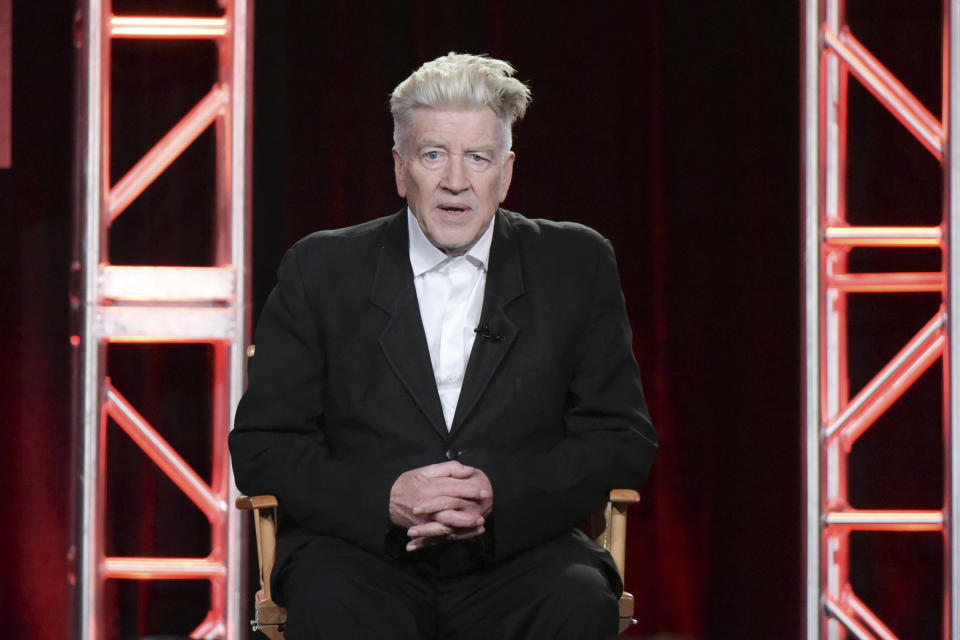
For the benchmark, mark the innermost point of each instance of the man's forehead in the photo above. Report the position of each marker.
(441, 127)
(440, 143)
(452, 109)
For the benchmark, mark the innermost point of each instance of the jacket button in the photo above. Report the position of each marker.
(452, 454)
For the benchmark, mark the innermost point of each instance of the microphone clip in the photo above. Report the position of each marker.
(484, 332)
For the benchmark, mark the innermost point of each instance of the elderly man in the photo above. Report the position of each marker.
(440, 396)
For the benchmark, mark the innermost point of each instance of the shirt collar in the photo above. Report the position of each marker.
(424, 256)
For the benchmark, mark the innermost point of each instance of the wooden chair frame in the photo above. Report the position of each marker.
(269, 617)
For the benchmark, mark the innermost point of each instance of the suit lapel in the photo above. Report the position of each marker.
(403, 340)
(504, 284)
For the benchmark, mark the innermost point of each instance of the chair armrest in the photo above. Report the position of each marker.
(624, 496)
(265, 525)
(614, 535)
(248, 503)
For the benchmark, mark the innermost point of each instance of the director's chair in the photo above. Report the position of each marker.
(269, 617)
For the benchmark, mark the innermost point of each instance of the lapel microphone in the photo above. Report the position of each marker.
(484, 332)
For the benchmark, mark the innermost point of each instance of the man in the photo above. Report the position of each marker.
(440, 396)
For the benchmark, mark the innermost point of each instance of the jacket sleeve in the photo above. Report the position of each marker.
(608, 439)
(278, 444)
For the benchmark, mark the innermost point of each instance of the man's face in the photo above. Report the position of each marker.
(454, 173)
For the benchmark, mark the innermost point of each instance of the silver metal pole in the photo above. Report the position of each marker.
(832, 309)
(810, 75)
(951, 114)
(87, 596)
(241, 123)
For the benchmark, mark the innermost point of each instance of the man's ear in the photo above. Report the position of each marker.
(507, 175)
(398, 173)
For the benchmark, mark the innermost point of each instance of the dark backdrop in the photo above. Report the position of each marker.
(669, 126)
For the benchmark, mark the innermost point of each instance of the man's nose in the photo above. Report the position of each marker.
(455, 177)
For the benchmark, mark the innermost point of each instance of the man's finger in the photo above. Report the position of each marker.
(428, 530)
(420, 543)
(449, 469)
(466, 534)
(441, 503)
(463, 534)
(459, 488)
(458, 519)
(461, 471)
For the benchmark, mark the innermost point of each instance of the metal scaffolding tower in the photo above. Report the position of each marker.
(833, 420)
(160, 304)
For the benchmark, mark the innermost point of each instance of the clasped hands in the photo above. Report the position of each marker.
(441, 503)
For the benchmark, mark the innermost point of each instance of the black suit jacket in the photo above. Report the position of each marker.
(342, 398)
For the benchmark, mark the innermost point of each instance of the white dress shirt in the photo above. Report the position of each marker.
(450, 294)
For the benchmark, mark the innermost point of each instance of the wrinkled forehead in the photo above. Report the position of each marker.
(460, 127)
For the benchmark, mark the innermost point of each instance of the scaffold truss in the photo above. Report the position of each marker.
(159, 304)
(833, 420)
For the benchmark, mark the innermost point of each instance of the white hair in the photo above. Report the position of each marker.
(460, 80)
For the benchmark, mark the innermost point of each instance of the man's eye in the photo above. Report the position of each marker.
(476, 157)
(432, 155)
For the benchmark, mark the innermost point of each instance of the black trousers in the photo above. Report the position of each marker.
(566, 588)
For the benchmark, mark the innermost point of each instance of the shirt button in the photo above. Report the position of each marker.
(451, 377)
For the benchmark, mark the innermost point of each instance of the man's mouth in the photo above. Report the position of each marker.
(453, 208)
